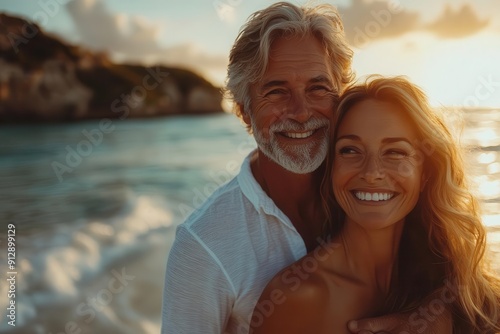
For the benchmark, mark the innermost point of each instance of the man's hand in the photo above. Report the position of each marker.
(433, 316)
(416, 322)
(391, 324)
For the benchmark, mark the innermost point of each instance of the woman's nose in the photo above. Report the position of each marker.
(373, 170)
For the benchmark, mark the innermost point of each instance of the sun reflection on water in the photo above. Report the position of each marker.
(481, 137)
(494, 168)
(487, 188)
(487, 158)
(486, 136)
(492, 221)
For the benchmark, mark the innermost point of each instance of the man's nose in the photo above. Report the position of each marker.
(299, 109)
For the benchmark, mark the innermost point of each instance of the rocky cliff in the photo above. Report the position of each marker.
(45, 79)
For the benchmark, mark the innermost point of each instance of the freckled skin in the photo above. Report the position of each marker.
(372, 165)
(375, 151)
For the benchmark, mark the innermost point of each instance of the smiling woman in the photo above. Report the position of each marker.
(402, 225)
(368, 177)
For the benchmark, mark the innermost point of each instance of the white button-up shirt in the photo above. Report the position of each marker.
(223, 256)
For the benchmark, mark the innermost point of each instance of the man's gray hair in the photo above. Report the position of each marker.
(249, 56)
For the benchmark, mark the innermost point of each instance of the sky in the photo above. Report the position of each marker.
(450, 48)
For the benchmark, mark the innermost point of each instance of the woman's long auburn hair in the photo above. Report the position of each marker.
(444, 241)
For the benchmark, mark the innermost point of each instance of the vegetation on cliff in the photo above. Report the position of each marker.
(43, 78)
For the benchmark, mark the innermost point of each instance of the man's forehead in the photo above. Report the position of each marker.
(297, 57)
(295, 48)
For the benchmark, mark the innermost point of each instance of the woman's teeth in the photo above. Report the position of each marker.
(373, 196)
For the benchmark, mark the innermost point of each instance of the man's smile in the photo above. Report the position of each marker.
(297, 134)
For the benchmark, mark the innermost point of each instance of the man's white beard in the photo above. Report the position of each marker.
(299, 159)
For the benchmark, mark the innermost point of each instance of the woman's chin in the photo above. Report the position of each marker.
(375, 221)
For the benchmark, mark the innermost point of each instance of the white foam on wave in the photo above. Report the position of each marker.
(68, 276)
(59, 270)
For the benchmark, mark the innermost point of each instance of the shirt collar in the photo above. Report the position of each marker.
(255, 194)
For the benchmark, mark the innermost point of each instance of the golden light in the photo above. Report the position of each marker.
(492, 221)
(486, 136)
(487, 158)
(489, 188)
(494, 168)
(486, 187)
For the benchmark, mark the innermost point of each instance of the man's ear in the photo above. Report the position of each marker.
(244, 114)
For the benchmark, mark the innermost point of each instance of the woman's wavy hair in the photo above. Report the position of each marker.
(249, 55)
(443, 242)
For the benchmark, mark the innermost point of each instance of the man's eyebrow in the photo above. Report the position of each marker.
(274, 83)
(384, 141)
(321, 79)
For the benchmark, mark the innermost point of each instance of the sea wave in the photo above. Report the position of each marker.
(77, 275)
(92, 248)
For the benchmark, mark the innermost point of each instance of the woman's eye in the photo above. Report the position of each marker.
(396, 153)
(347, 150)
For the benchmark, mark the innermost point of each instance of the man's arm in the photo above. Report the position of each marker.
(197, 296)
(433, 317)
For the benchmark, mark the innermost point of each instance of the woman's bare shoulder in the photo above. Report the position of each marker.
(298, 299)
(309, 278)
(292, 302)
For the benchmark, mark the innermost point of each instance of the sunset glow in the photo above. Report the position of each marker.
(449, 48)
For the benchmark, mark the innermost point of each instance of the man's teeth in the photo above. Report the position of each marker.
(374, 196)
(298, 135)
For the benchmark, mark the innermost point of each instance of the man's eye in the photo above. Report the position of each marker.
(275, 92)
(318, 89)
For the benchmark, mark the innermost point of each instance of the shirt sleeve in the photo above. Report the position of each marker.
(197, 297)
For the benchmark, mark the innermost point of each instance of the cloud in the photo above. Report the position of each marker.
(134, 39)
(101, 30)
(188, 54)
(463, 22)
(366, 20)
(376, 20)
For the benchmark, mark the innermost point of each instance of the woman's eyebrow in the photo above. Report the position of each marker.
(387, 140)
(396, 139)
(351, 137)
(321, 79)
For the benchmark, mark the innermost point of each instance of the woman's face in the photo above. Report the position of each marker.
(377, 171)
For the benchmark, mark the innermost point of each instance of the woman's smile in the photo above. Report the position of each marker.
(376, 175)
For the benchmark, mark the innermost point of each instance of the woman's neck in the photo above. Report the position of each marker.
(372, 254)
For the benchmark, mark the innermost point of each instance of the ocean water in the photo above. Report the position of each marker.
(95, 204)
